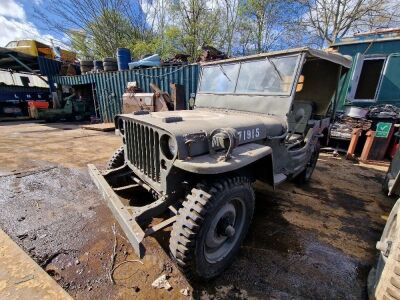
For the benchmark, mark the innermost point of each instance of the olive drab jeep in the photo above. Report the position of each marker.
(258, 117)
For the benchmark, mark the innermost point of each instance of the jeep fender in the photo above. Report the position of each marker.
(214, 164)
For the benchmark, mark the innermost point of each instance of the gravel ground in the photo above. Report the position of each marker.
(306, 242)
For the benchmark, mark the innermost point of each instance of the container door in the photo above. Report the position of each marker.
(355, 75)
(390, 87)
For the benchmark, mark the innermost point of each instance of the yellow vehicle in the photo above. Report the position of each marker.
(35, 48)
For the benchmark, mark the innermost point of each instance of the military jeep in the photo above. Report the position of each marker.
(258, 117)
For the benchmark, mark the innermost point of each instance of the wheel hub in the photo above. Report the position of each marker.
(224, 230)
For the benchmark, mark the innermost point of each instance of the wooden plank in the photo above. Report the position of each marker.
(100, 127)
(21, 278)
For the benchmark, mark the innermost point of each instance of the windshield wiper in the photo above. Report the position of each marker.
(275, 68)
(223, 72)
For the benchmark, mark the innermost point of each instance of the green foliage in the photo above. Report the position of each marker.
(119, 31)
(166, 45)
(81, 44)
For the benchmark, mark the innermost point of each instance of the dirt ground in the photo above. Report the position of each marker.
(306, 242)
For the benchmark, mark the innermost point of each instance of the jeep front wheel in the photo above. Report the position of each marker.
(211, 226)
(117, 160)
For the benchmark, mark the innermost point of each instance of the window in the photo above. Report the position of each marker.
(369, 79)
(12, 44)
(366, 78)
(268, 76)
(265, 76)
(219, 78)
(25, 80)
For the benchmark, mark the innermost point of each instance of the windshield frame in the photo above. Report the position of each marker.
(263, 59)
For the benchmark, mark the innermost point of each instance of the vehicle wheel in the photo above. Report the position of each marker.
(306, 174)
(211, 226)
(385, 184)
(117, 160)
(384, 280)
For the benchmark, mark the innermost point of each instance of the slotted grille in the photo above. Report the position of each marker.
(143, 151)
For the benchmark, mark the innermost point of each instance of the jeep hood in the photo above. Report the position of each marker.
(187, 125)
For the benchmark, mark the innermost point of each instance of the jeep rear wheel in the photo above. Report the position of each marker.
(306, 174)
(117, 160)
(211, 226)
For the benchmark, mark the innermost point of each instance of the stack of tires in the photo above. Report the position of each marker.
(86, 66)
(98, 66)
(110, 64)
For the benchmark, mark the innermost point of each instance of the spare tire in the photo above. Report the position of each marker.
(110, 68)
(109, 64)
(110, 59)
(88, 63)
(85, 69)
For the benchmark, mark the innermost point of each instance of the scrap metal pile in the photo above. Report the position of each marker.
(344, 125)
(384, 111)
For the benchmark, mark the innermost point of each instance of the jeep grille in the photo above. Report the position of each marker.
(143, 151)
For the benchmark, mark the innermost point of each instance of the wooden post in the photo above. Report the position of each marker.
(353, 143)
(368, 145)
(178, 96)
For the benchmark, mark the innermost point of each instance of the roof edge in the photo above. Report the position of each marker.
(333, 57)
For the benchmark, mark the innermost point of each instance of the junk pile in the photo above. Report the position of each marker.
(343, 126)
(147, 62)
(133, 100)
(363, 118)
(124, 60)
(108, 64)
(177, 60)
(384, 111)
(211, 53)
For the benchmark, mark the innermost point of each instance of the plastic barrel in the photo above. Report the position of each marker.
(123, 58)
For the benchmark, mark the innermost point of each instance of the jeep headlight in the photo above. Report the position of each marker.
(172, 146)
(168, 146)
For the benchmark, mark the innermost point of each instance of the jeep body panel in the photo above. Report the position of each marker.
(213, 164)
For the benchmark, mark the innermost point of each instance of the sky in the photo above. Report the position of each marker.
(17, 21)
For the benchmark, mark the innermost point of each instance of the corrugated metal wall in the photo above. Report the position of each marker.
(49, 67)
(110, 86)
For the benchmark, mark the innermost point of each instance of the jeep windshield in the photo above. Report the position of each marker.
(266, 76)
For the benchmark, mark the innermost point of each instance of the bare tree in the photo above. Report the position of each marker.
(264, 24)
(332, 19)
(230, 18)
(198, 21)
(107, 23)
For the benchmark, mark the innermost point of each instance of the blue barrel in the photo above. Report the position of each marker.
(123, 58)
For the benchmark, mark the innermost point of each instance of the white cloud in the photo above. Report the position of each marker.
(15, 26)
(12, 29)
(11, 8)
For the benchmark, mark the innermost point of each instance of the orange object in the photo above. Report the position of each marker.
(353, 142)
(368, 145)
(38, 104)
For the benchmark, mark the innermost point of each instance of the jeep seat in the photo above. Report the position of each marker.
(300, 126)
